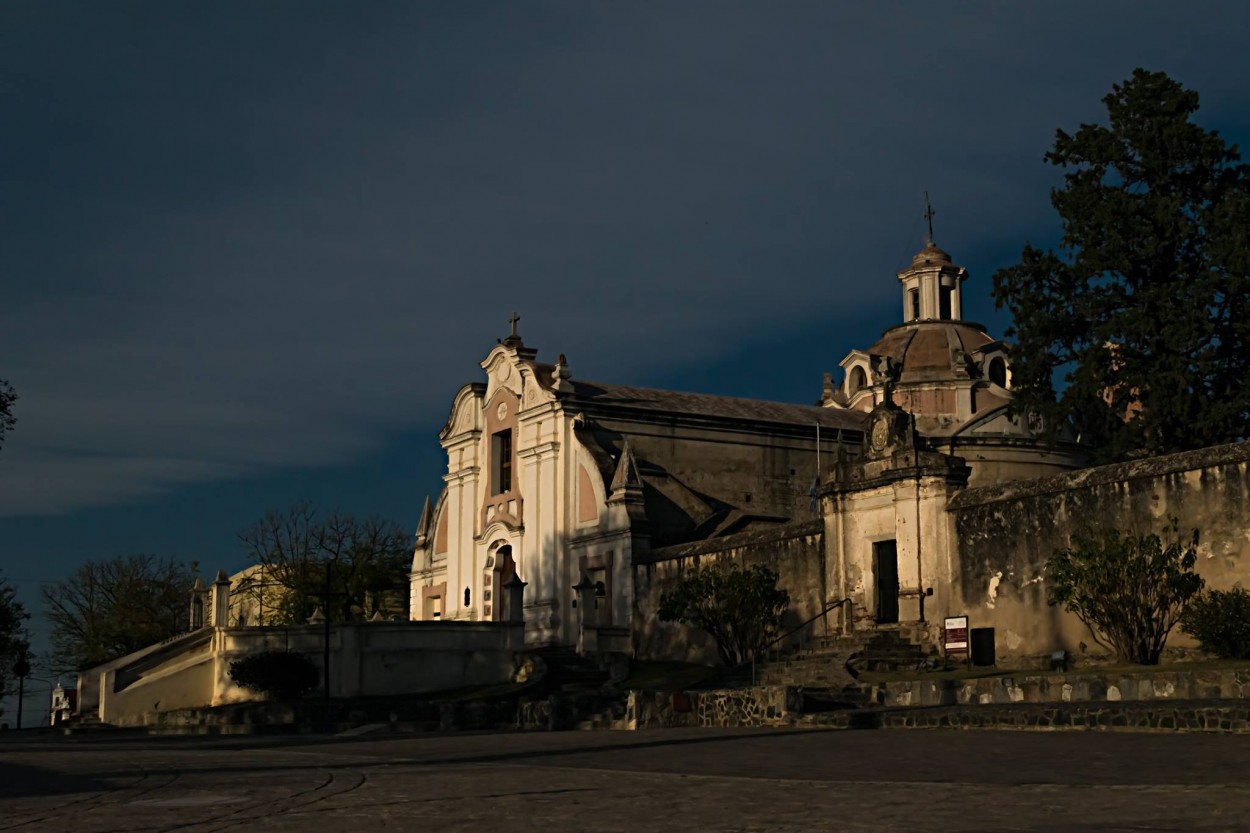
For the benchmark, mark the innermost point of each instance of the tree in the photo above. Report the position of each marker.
(107, 609)
(1129, 590)
(13, 641)
(366, 561)
(1144, 315)
(740, 608)
(7, 397)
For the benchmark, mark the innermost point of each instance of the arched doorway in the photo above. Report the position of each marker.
(500, 566)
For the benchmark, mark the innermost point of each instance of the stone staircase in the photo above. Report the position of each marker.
(83, 723)
(586, 685)
(612, 713)
(569, 671)
(834, 662)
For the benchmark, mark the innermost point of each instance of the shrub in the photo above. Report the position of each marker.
(1220, 621)
(278, 675)
(740, 608)
(1128, 589)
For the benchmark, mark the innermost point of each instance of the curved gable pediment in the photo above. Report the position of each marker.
(466, 409)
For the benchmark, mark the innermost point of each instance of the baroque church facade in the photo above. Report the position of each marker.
(908, 493)
(571, 485)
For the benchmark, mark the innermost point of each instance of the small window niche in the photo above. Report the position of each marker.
(913, 303)
(501, 462)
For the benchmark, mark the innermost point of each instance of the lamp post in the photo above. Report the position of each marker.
(21, 669)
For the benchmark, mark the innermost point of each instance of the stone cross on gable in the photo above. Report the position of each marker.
(514, 320)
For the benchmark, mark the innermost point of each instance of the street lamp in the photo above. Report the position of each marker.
(21, 669)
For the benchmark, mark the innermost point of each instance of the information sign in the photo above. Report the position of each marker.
(955, 635)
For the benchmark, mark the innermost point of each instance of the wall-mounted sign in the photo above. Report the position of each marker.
(955, 634)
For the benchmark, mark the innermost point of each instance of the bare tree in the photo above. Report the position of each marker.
(350, 567)
(107, 609)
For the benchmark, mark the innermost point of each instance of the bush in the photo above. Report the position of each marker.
(1220, 621)
(740, 608)
(278, 675)
(1129, 589)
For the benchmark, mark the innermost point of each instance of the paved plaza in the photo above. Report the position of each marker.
(685, 781)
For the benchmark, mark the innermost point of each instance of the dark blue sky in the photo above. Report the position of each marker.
(248, 251)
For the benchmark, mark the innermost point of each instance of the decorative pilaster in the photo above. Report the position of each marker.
(221, 600)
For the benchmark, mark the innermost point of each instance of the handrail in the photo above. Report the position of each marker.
(768, 645)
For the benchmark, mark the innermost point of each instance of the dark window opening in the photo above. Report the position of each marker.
(914, 295)
(501, 462)
(944, 311)
(468, 596)
(885, 576)
(998, 372)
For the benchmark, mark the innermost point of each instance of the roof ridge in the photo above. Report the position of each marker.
(593, 383)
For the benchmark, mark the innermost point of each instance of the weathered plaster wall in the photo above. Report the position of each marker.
(1005, 534)
(366, 659)
(175, 675)
(794, 551)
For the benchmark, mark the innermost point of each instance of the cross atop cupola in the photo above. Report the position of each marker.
(932, 284)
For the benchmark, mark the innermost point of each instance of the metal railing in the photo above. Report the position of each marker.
(771, 647)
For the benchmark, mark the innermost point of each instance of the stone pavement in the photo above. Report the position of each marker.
(687, 780)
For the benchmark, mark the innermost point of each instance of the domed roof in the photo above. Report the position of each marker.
(926, 350)
(930, 254)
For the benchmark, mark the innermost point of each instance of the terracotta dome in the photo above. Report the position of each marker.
(926, 350)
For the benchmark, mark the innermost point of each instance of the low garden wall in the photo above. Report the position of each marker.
(1091, 686)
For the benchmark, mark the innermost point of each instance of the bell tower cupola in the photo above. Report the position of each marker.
(932, 287)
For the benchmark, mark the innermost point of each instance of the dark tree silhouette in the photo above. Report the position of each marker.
(107, 609)
(1143, 316)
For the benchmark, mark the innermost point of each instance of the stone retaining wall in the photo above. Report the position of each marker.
(1095, 686)
(1186, 716)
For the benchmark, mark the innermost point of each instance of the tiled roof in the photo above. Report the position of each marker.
(625, 397)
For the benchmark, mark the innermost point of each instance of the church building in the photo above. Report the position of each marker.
(569, 484)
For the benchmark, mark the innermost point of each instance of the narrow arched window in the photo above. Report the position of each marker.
(998, 371)
(468, 596)
(913, 296)
(856, 380)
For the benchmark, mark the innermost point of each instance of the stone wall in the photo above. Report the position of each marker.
(1088, 686)
(1006, 533)
(794, 551)
(729, 708)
